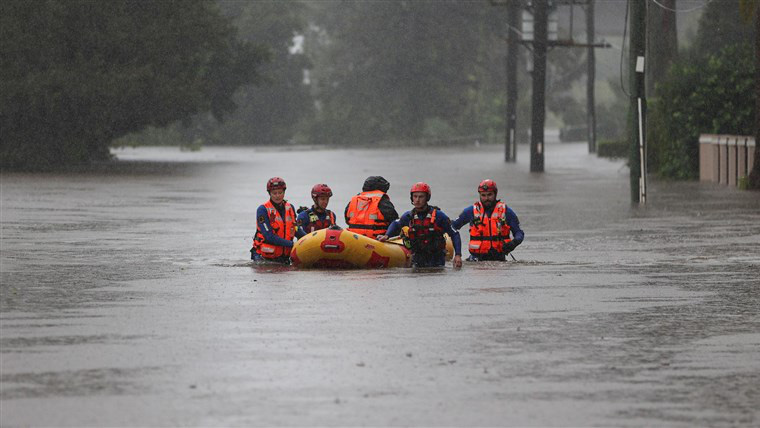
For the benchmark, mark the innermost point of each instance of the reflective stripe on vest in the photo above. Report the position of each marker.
(284, 228)
(364, 226)
(365, 216)
(488, 232)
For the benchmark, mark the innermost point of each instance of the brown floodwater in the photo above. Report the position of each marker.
(128, 299)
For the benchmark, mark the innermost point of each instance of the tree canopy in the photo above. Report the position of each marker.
(393, 70)
(709, 89)
(269, 113)
(78, 73)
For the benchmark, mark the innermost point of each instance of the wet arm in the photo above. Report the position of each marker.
(263, 225)
(395, 228)
(303, 221)
(514, 225)
(464, 218)
(444, 222)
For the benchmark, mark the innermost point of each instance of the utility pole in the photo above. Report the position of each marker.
(537, 40)
(513, 23)
(540, 18)
(637, 106)
(591, 77)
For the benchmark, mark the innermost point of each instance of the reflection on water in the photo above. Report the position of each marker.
(74, 383)
(265, 267)
(128, 298)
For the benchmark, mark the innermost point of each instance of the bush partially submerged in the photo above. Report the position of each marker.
(612, 149)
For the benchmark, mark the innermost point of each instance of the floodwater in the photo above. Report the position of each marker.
(128, 299)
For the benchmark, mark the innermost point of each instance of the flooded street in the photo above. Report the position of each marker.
(128, 299)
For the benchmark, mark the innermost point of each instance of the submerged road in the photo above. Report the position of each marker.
(127, 299)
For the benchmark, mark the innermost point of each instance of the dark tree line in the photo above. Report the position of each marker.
(710, 88)
(78, 73)
(273, 111)
(754, 176)
(406, 69)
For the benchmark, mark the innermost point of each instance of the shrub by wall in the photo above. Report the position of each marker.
(712, 94)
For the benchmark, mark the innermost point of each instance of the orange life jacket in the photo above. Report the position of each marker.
(284, 228)
(363, 215)
(486, 232)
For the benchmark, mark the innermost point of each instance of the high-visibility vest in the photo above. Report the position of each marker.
(363, 215)
(488, 232)
(284, 228)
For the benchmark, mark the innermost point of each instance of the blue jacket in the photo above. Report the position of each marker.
(303, 221)
(467, 216)
(441, 219)
(265, 227)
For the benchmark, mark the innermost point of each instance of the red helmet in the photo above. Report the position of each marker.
(488, 185)
(320, 190)
(276, 183)
(420, 187)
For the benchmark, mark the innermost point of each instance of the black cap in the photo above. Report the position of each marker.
(376, 182)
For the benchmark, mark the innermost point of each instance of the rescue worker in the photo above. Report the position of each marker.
(370, 212)
(318, 216)
(491, 223)
(275, 225)
(427, 224)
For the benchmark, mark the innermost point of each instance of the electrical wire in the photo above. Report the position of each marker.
(511, 28)
(622, 48)
(662, 6)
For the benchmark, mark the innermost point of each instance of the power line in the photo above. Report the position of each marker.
(509, 27)
(681, 10)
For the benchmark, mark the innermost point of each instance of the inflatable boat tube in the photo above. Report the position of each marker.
(335, 248)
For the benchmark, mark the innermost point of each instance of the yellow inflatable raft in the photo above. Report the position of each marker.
(340, 249)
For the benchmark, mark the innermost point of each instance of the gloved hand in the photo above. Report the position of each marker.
(510, 246)
(301, 209)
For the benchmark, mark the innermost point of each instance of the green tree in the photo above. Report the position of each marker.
(77, 73)
(750, 9)
(269, 113)
(712, 95)
(565, 66)
(392, 70)
(721, 25)
(710, 89)
(662, 41)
